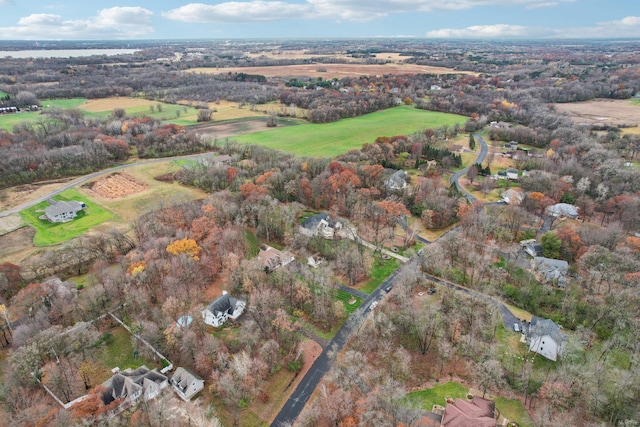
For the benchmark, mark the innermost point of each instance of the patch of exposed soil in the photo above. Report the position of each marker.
(115, 186)
(20, 240)
(227, 130)
(167, 177)
(14, 196)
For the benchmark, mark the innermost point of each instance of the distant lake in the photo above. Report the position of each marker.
(63, 53)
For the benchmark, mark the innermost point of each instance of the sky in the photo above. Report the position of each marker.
(454, 19)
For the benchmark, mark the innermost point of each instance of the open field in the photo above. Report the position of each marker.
(48, 233)
(229, 129)
(333, 70)
(611, 112)
(332, 139)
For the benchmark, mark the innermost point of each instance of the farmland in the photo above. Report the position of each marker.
(179, 114)
(610, 112)
(332, 139)
(330, 71)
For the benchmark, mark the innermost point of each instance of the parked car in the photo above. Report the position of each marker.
(373, 305)
(388, 288)
(516, 327)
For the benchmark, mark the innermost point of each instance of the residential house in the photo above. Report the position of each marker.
(272, 258)
(132, 385)
(512, 174)
(224, 308)
(62, 211)
(552, 271)
(314, 261)
(186, 383)
(562, 210)
(475, 413)
(396, 181)
(513, 197)
(534, 249)
(320, 225)
(545, 338)
(512, 145)
(500, 125)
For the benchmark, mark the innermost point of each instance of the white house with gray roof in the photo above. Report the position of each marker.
(186, 383)
(546, 338)
(224, 308)
(62, 211)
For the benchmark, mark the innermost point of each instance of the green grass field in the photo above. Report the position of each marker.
(345, 297)
(425, 399)
(332, 139)
(48, 233)
(513, 410)
(175, 114)
(380, 271)
(66, 104)
(117, 350)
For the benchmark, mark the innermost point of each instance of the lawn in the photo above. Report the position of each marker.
(117, 350)
(513, 410)
(381, 270)
(48, 233)
(425, 399)
(332, 139)
(345, 297)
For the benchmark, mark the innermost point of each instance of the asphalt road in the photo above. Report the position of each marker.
(484, 148)
(91, 176)
(310, 381)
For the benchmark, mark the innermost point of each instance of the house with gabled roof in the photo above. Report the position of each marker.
(320, 225)
(396, 181)
(552, 271)
(186, 383)
(272, 259)
(475, 413)
(562, 210)
(224, 308)
(62, 211)
(545, 338)
(132, 385)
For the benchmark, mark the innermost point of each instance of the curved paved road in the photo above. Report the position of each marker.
(86, 178)
(310, 381)
(484, 148)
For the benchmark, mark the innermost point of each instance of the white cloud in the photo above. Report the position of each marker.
(486, 31)
(338, 10)
(238, 12)
(628, 27)
(112, 23)
(6, 2)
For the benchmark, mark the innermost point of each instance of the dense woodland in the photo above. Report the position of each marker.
(162, 268)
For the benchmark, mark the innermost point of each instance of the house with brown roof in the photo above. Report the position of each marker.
(478, 412)
(271, 258)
